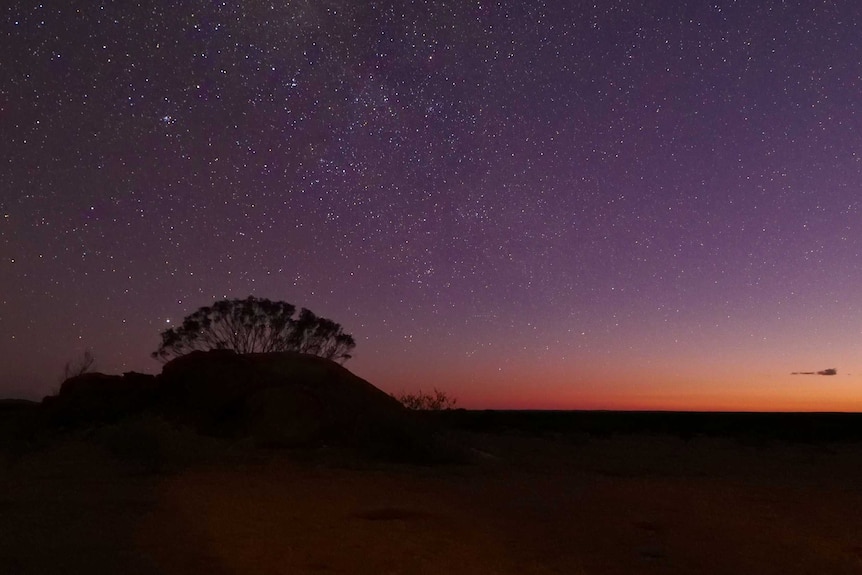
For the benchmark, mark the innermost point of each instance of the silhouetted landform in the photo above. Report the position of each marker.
(8, 406)
(18, 419)
(99, 398)
(283, 399)
(300, 401)
(803, 427)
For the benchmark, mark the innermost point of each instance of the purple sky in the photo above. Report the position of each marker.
(559, 204)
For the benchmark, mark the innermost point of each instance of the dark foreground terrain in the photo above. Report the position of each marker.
(795, 427)
(546, 493)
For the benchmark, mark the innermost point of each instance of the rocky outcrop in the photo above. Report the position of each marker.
(280, 398)
(99, 398)
(274, 399)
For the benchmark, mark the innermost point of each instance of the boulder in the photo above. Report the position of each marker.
(285, 416)
(99, 398)
(282, 398)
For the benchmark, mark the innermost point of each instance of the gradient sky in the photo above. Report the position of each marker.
(578, 205)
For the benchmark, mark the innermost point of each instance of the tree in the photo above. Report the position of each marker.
(255, 325)
(80, 366)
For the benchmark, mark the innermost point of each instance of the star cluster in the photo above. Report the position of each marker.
(537, 204)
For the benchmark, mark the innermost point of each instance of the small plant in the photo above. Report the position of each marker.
(424, 401)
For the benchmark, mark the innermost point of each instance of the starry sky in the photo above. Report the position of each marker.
(631, 204)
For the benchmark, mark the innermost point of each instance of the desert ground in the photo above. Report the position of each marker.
(527, 504)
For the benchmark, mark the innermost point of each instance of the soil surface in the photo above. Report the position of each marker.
(530, 505)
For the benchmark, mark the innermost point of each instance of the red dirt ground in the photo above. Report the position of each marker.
(555, 505)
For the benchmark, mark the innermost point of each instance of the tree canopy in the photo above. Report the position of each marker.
(255, 325)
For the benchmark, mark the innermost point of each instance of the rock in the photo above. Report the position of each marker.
(99, 398)
(285, 416)
(282, 398)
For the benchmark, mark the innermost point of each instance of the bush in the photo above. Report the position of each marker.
(424, 401)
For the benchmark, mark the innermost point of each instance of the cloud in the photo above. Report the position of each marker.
(830, 371)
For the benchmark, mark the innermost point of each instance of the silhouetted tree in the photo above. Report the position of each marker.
(256, 325)
(80, 366)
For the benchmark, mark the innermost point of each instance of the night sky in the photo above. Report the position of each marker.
(578, 205)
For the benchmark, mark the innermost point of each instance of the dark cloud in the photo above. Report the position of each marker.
(830, 371)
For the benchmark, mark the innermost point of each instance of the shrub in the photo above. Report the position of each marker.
(424, 401)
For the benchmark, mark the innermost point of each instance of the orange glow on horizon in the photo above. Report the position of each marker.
(784, 394)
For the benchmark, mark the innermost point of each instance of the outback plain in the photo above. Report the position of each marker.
(556, 492)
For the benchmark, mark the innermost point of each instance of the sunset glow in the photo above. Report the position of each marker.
(529, 205)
